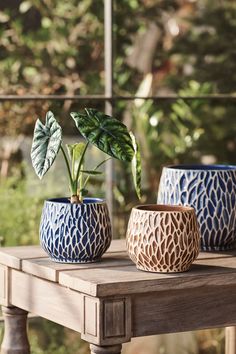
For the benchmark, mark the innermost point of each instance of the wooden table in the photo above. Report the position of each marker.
(111, 301)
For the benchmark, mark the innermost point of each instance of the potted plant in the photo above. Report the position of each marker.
(78, 229)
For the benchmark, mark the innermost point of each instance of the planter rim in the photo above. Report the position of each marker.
(201, 167)
(66, 201)
(163, 208)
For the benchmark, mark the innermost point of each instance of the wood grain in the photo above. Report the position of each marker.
(114, 349)
(184, 310)
(4, 285)
(15, 339)
(116, 324)
(47, 299)
(117, 246)
(109, 301)
(128, 280)
(47, 269)
(12, 256)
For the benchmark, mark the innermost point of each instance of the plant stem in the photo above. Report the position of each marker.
(80, 164)
(73, 191)
(95, 168)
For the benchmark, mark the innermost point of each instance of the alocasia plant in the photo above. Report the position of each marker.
(106, 133)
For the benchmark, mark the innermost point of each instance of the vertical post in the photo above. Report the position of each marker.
(108, 34)
(230, 340)
(15, 339)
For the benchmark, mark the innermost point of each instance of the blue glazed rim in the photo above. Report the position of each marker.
(201, 168)
(66, 201)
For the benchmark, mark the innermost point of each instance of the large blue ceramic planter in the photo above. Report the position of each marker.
(75, 233)
(211, 190)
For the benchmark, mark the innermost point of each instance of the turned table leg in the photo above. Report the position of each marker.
(111, 349)
(15, 340)
(230, 340)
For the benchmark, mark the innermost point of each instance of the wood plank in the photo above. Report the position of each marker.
(12, 256)
(117, 246)
(47, 269)
(184, 310)
(47, 299)
(128, 280)
(217, 254)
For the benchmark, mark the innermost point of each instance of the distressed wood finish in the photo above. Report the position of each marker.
(230, 340)
(15, 339)
(106, 321)
(46, 269)
(184, 310)
(46, 299)
(115, 349)
(117, 246)
(12, 256)
(4, 288)
(111, 301)
(128, 280)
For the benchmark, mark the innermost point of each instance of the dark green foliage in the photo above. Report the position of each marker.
(209, 46)
(106, 133)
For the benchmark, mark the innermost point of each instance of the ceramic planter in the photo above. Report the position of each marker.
(163, 238)
(75, 233)
(211, 190)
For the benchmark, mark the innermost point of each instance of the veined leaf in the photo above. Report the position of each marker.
(46, 144)
(107, 133)
(92, 172)
(136, 166)
(75, 150)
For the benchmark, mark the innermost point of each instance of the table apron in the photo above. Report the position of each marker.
(46, 299)
(139, 314)
(183, 310)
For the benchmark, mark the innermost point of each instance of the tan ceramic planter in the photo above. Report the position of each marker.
(163, 238)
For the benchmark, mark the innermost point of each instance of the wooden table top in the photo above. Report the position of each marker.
(116, 274)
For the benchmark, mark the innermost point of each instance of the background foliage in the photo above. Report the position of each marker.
(160, 47)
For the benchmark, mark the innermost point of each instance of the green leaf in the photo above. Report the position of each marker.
(46, 144)
(106, 133)
(84, 192)
(92, 172)
(101, 163)
(75, 150)
(136, 166)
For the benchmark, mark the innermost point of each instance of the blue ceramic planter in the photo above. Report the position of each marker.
(75, 233)
(211, 190)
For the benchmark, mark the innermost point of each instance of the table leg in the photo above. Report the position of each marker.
(15, 340)
(111, 349)
(230, 340)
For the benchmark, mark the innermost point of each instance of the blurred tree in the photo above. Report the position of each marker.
(48, 47)
(160, 47)
(205, 52)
